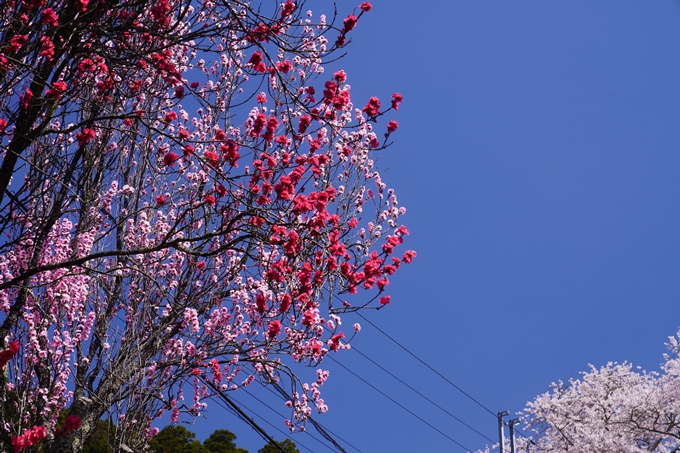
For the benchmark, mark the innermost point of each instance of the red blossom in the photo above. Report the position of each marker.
(340, 76)
(230, 152)
(366, 6)
(160, 200)
(307, 319)
(274, 328)
(372, 108)
(170, 116)
(49, 17)
(257, 62)
(334, 342)
(85, 136)
(17, 42)
(396, 100)
(392, 126)
(408, 256)
(212, 158)
(349, 23)
(13, 347)
(329, 92)
(56, 91)
(26, 98)
(305, 121)
(209, 200)
(341, 100)
(170, 159)
(261, 303)
(384, 300)
(72, 422)
(284, 66)
(258, 124)
(288, 8)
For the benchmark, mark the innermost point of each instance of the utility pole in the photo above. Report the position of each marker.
(501, 437)
(512, 424)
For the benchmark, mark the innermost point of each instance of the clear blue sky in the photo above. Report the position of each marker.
(538, 156)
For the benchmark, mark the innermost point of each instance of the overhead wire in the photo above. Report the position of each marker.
(320, 429)
(283, 416)
(427, 365)
(399, 404)
(242, 415)
(297, 442)
(238, 415)
(415, 356)
(331, 432)
(354, 348)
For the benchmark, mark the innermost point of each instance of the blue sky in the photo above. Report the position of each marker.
(538, 157)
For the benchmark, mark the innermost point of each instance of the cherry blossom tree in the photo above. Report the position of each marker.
(615, 408)
(151, 255)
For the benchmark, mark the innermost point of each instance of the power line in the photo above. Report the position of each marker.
(399, 404)
(283, 416)
(320, 429)
(242, 414)
(297, 442)
(318, 426)
(230, 409)
(336, 435)
(427, 365)
(420, 394)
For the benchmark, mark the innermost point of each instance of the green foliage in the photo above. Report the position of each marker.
(222, 441)
(288, 446)
(98, 442)
(176, 439)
